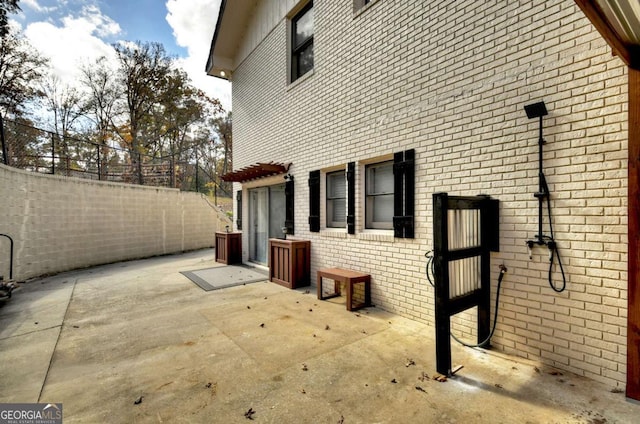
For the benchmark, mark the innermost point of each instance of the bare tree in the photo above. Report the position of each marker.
(21, 67)
(65, 104)
(222, 126)
(102, 99)
(143, 71)
(6, 7)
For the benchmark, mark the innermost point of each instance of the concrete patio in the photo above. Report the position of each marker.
(100, 339)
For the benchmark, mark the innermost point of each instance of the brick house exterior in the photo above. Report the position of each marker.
(448, 81)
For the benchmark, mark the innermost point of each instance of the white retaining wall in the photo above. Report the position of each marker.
(59, 223)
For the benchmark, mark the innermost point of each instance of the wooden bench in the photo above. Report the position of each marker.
(349, 278)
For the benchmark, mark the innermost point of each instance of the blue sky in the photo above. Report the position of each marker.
(74, 32)
(143, 20)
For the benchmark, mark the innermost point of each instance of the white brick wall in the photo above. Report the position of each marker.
(59, 223)
(450, 79)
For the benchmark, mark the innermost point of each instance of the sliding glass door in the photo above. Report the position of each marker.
(266, 219)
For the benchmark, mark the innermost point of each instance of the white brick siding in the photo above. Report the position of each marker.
(450, 80)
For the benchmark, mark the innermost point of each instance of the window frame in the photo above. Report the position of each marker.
(297, 49)
(370, 224)
(329, 200)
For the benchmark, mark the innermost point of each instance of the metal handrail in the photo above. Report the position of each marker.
(10, 255)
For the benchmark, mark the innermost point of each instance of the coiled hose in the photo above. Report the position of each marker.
(503, 270)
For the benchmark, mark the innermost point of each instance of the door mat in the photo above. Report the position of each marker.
(221, 277)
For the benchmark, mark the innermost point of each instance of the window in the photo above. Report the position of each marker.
(302, 42)
(360, 4)
(379, 195)
(336, 200)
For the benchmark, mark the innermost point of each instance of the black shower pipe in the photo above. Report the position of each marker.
(538, 110)
(543, 189)
(10, 255)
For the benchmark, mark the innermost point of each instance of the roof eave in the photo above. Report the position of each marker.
(232, 23)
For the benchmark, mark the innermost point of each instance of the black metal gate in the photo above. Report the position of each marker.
(465, 231)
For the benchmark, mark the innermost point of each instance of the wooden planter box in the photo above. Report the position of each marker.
(229, 248)
(289, 262)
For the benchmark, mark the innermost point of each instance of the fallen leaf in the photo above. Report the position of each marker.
(138, 401)
(262, 325)
(249, 414)
(304, 367)
(409, 362)
(327, 327)
(421, 389)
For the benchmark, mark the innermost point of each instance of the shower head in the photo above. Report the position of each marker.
(535, 110)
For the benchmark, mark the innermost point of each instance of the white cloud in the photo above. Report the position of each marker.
(76, 42)
(32, 4)
(193, 23)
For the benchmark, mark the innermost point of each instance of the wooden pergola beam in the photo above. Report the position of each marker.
(633, 320)
(630, 55)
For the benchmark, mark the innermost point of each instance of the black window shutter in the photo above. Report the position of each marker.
(409, 192)
(314, 201)
(404, 194)
(239, 209)
(351, 199)
(398, 201)
(288, 200)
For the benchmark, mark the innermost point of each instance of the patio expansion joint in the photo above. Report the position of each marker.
(39, 330)
(55, 347)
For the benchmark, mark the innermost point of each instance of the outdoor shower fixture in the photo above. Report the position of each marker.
(538, 110)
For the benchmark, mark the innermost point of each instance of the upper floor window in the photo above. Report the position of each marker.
(359, 4)
(336, 200)
(302, 42)
(379, 195)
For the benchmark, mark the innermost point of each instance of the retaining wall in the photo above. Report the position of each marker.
(60, 223)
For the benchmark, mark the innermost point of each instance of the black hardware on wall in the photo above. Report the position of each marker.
(404, 194)
(239, 209)
(314, 201)
(289, 202)
(538, 110)
(10, 255)
(351, 199)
